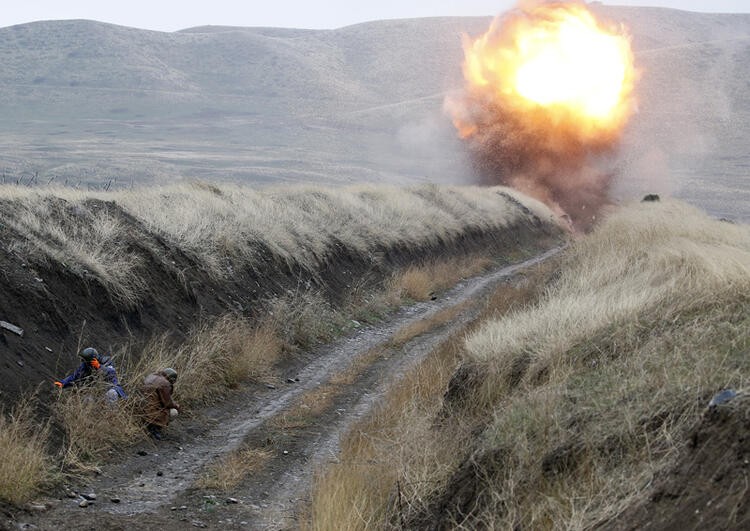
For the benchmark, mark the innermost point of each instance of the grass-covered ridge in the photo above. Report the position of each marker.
(223, 283)
(567, 407)
(592, 390)
(229, 226)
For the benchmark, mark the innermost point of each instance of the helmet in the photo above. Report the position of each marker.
(170, 374)
(89, 354)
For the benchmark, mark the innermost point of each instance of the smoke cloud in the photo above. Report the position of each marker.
(556, 158)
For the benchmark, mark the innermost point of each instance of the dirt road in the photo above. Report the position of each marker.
(154, 485)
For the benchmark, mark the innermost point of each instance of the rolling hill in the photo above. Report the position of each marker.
(86, 102)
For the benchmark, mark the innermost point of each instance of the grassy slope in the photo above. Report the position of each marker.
(226, 227)
(249, 275)
(592, 390)
(565, 409)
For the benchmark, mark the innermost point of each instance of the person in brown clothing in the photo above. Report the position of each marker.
(158, 388)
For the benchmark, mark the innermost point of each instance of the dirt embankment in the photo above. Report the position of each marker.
(59, 307)
(708, 485)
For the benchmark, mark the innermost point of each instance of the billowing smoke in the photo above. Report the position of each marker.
(548, 93)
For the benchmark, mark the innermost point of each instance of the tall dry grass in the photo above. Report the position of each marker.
(91, 235)
(83, 238)
(25, 466)
(218, 355)
(592, 391)
(394, 461)
(93, 427)
(574, 402)
(390, 458)
(226, 226)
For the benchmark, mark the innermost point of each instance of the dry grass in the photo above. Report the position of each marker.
(93, 427)
(304, 319)
(231, 469)
(358, 366)
(395, 444)
(585, 394)
(227, 227)
(25, 466)
(593, 390)
(218, 356)
(409, 332)
(306, 409)
(84, 239)
(96, 236)
(422, 282)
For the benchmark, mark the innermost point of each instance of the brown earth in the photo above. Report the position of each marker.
(708, 486)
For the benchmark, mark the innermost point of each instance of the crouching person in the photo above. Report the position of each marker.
(157, 389)
(95, 367)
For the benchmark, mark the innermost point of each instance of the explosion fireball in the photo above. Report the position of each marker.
(548, 93)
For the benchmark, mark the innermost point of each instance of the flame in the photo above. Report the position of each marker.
(558, 62)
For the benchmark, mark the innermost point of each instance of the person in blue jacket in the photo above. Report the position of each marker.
(95, 367)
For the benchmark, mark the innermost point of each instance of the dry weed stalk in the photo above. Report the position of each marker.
(25, 466)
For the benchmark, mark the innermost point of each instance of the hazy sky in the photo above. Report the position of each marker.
(170, 15)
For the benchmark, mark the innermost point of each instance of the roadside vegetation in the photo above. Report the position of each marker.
(226, 229)
(571, 398)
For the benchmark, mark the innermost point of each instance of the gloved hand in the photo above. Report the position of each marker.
(95, 364)
(59, 384)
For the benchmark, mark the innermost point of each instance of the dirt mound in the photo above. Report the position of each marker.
(59, 306)
(707, 488)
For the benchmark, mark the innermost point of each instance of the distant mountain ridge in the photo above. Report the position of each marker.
(91, 102)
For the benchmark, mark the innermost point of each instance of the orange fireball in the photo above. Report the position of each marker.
(558, 62)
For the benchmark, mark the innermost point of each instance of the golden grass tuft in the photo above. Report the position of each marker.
(25, 466)
(231, 469)
(422, 282)
(217, 356)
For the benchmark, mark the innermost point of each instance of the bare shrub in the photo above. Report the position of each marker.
(25, 464)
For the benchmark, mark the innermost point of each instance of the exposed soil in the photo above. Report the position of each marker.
(154, 483)
(708, 486)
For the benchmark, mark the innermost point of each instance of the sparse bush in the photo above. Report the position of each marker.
(304, 319)
(25, 464)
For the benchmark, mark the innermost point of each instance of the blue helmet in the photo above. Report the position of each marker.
(89, 354)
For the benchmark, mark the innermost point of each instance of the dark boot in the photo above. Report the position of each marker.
(154, 431)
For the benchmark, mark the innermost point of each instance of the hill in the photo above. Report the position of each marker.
(86, 102)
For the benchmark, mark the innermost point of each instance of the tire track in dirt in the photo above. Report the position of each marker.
(151, 485)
